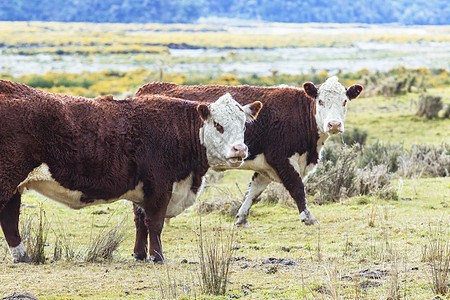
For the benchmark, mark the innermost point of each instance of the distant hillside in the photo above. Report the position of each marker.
(408, 12)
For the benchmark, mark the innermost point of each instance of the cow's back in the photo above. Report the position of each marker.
(285, 125)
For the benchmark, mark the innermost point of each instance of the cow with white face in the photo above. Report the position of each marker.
(331, 104)
(223, 133)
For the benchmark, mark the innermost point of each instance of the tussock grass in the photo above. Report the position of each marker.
(437, 255)
(170, 287)
(34, 232)
(215, 250)
(105, 243)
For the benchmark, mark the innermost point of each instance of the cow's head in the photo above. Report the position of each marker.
(223, 129)
(331, 103)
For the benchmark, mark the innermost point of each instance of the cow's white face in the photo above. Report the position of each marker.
(223, 130)
(331, 103)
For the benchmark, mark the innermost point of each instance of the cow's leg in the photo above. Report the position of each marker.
(9, 221)
(141, 242)
(255, 188)
(294, 184)
(154, 220)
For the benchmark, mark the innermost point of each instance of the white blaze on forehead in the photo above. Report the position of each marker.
(226, 110)
(332, 85)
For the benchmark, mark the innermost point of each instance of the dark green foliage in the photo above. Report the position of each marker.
(355, 136)
(429, 106)
(40, 82)
(380, 153)
(187, 11)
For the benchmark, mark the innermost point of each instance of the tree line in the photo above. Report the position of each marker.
(407, 12)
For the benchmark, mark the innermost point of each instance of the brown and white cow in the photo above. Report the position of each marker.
(286, 140)
(83, 152)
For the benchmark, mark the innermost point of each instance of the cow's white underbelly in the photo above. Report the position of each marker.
(42, 181)
(182, 197)
(301, 167)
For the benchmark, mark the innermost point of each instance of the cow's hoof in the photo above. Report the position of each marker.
(19, 254)
(307, 218)
(23, 259)
(243, 224)
(140, 257)
(156, 260)
(312, 221)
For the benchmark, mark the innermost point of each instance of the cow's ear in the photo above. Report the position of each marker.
(252, 110)
(354, 91)
(310, 89)
(203, 111)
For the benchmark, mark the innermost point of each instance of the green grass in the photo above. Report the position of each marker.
(393, 119)
(348, 242)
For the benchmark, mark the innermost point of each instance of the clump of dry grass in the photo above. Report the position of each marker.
(222, 200)
(437, 254)
(105, 244)
(170, 287)
(214, 252)
(34, 232)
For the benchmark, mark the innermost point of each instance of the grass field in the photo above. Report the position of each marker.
(365, 248)
(389, 238)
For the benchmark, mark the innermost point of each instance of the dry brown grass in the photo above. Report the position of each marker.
(215, 250)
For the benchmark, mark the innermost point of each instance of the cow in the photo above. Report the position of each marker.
(81, 152)
(286, 140)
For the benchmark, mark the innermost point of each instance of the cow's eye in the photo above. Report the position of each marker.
(344, 103)
(321, 103)
(218, 127)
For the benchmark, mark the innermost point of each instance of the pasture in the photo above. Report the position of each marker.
(367, 246)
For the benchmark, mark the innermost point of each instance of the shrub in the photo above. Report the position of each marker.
(334, 180)
(376, 181)
(425, 160)
(379, 153)
(355, 136)
(39, 81)
(340, 177)
(429, 106)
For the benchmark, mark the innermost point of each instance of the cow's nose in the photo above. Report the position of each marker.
(334, 126)
(240, 149)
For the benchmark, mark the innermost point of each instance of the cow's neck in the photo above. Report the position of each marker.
(200, 162)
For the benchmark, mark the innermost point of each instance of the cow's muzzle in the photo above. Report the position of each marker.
(334, 127)
(239, 152)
